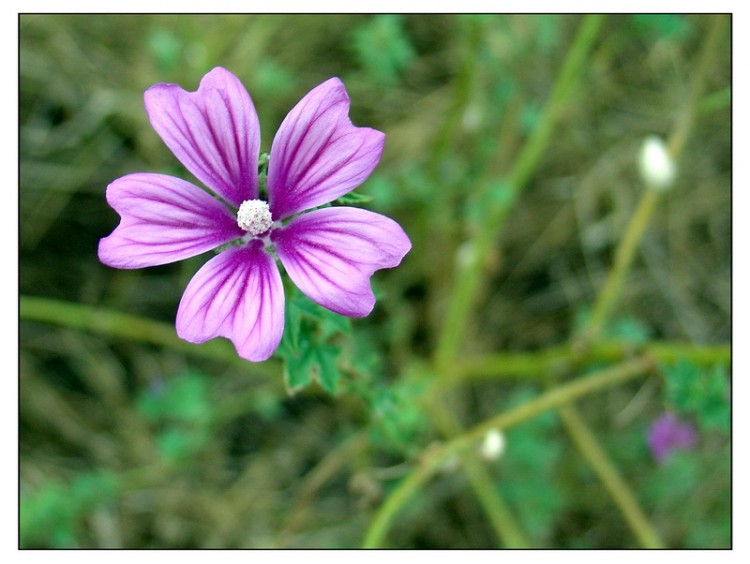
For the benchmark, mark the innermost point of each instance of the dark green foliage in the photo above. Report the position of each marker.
(52, 515)
(529, 473)
(383, 49)
(180, 408)
(700, 392)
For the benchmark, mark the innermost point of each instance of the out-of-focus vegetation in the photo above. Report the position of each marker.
(548, 293)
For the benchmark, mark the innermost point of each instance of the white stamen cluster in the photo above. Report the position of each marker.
(254, 216)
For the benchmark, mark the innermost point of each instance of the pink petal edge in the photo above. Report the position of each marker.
(331, 253)
(163, 219)
(237, 295)
(317, 154)
(213, 132)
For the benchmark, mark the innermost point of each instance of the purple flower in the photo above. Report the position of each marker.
(667, 434)
(316, 157)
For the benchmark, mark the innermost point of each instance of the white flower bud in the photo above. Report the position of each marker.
(492, 446)
(657, 168)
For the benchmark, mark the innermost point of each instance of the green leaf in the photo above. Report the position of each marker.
(354, 198)
(50, 514)
(382, 48)
(184, 398)
(327, 373)
(298, 370)
(704, 393)
(166, 49)
(307, 347)
(664, 25)
(178, 443)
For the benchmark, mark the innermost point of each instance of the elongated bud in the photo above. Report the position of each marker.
(657, 168)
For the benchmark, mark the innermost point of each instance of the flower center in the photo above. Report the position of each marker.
(254, 217)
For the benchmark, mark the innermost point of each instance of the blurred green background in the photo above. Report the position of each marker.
(131, 438)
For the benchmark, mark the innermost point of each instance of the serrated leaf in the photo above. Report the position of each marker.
(306, 348)
(328, 374)
(298, 370)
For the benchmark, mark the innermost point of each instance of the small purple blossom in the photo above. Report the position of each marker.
(317, 156)
(667, 434)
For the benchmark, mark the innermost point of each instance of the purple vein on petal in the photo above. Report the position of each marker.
(213, 131)
(331, 253)
(318, 155)
(237, 295)
(163, 219)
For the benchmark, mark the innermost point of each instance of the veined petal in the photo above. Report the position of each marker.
(331, 253)
(163, 219)
(317, 154)
(214, 132)
(237, 295)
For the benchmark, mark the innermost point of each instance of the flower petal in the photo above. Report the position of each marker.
(164, 219)
(331, 253)
(317, 154)
(237, 295)
(214, 132)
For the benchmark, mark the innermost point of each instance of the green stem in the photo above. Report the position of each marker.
(624, 255)
(494, 505)
(116, 324)
(630, 241)
(556, 397)
(543, 362)
(610, 478)
(700, 72)
(508, 531)
(469, 273)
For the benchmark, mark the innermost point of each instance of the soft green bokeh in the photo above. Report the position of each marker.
(132, 438)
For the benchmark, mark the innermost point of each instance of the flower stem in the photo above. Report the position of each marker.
(555, 397)
(494, 505)
(541, 363)
(508, 531)
(117, 324)
(469, 274)
(624, 255)
(610, 478)
(574, 424)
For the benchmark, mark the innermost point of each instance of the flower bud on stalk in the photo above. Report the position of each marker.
(657, 168)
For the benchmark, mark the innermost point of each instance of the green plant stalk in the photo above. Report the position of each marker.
(494, 505)
(442, 229)
(509, 533)
(469, 273)
(116, 324)
(630, 241)
(608, 474)
(444, 235)
(624, 255)
(554, 398)
(702, 68)
(541, 363)
(471, 37)
(605, 470)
